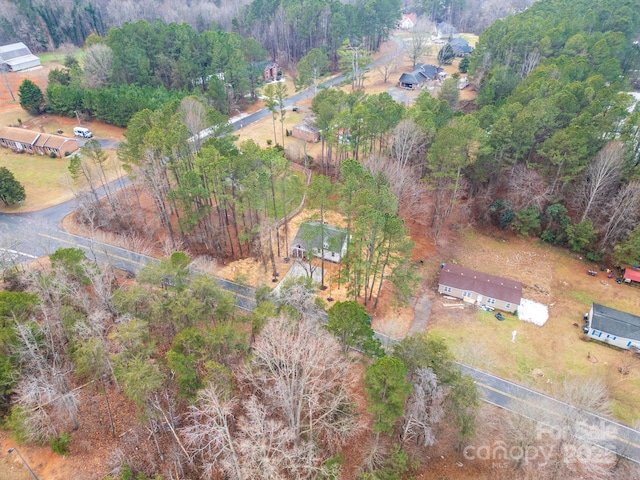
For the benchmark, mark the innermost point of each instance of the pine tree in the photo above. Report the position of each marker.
(31, 97)
(11, 191)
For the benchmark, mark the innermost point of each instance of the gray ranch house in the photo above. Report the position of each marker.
(613, 327)
(480, 288)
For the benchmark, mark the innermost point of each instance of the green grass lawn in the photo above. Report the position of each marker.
(43, 178)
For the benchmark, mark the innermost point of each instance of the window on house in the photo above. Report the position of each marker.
(508, 305)
(446, 289)
(466, 294)
(491, 301)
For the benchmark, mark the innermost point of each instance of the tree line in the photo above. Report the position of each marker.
(46, 27)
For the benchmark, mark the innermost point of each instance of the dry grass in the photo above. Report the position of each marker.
(557, 347)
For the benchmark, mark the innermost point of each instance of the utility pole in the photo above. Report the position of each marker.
(78, 117)
(3, 68)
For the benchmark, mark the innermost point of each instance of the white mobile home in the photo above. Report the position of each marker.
(613, 326)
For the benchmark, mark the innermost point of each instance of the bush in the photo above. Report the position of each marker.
(53, 155)
(60, 444)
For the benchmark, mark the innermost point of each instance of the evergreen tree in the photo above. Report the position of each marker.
(11, 190)
(387, 389)
(31, 97)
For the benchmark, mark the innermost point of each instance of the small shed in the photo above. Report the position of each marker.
(631, 275)
(17, 57)
(306, 132)
(613, 326)
(309, 241)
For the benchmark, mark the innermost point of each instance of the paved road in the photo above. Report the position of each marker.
(31, 235)
(551, 412)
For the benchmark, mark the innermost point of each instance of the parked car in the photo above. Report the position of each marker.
(82, 132)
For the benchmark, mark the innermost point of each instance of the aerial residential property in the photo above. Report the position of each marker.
(613, 326)
(480, 288)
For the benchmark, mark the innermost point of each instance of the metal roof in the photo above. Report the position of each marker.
(482, 283)
(18, 56)
(309, 236)
(632, 274)
(615, 322)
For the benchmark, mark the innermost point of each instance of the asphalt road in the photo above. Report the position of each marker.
(548, 411)
(28, 236)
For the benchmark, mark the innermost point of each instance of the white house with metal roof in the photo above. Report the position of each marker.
(17, 56)
(613, 326)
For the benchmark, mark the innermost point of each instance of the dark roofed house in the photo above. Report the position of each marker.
(309, 240)
(480, 288)
(613, 326)
(460, 46)
(422, 73)
(17, 56)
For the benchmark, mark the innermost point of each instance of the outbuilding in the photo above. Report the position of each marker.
(480, 288)
(613, 326)
(17, 56)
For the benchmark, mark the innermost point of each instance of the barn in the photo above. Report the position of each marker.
(613, 326)
(17, 57)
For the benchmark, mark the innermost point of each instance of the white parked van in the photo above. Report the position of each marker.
(82, 132)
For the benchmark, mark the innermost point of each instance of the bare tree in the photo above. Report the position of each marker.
(419, 45)
(405, 184)
(407, 143)
(623, 214)
(98, 63)
(388, 68)
(298, 412)
(601, 179)
(194, 115)
(527, 188)
(299, 370)
(530, 62)
(424, 409)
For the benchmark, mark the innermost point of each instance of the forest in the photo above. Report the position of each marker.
(46, 26)
(550, 148)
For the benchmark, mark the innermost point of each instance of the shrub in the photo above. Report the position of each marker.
(53, 155)
(60, 444)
